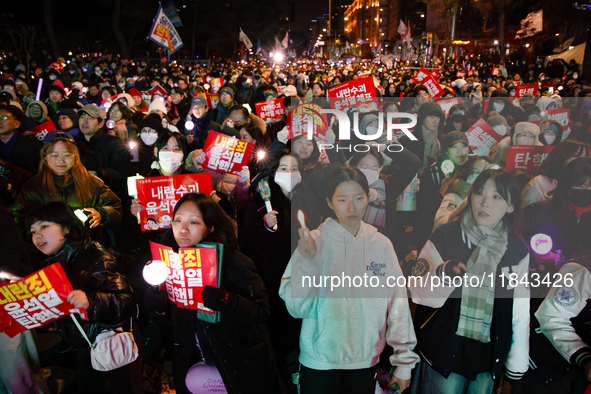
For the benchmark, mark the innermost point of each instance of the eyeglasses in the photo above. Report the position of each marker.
(56, 156)
(175, 94)
(5, 118)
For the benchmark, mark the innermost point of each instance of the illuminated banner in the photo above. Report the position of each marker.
(160, 194)
(226, 154)
(35, 300)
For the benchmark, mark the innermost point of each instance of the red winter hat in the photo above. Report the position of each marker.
(134, 92)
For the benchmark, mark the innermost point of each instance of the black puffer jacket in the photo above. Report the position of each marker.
(239, 344)
(92, 269)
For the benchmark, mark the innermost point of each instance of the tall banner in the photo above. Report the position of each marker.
(172, 15)
(160, 194)
(164, 34)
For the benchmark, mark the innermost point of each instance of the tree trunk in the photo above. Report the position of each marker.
(502, 30)
(586, 75)
(53, 43)
(117, 29)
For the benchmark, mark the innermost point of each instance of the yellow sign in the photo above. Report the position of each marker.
(460, 42)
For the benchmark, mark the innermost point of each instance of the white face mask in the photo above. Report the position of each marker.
(371, 130)
(512, 93)
(53, 77)
(371, 175)
(288, 180)
(498, 106)
(149, 138)
(575, 76)
(471, 178)
(170, 161)
(550, 139)
(500, 129)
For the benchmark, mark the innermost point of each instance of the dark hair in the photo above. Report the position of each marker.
(257, 134)
(241, 108)
(419, 88)
(576, 173)
(125, 114)
(554, 163)
(313, 159)
(60, 213)
(346, 174)
(320, 84)
(360, 155)
(224, 228)
(178, 90)
(270, 172)
(163, 140)
(507, 186)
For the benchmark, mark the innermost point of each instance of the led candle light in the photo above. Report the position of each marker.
(132, 188)
(81, 215)
(302, 222)
(155, 272)
(541, 243)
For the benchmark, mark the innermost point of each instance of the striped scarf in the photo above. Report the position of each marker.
(476, 308)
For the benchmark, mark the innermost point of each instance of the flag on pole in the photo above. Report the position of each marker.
(285, 41)
(311, 48)
(244, 38)
(531, 25)
(170, 11)
(408, 37)
(379, 47)
(259, 48)
(402, 30)
(277, 44)
(164, 34)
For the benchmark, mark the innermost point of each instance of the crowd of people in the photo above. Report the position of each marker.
(423, 205)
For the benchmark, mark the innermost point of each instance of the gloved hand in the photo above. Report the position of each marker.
(283, 135)
(156, 302)
(218, 299)
(200, 158)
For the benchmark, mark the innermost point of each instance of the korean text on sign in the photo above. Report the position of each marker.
(41, 131)
(483, 140)
(190, 271)
(359, 92)
(306, 116)
(35, 300)
(226, 154)
(428, 80)
(160, 194)
(270, 111)
(526, 89)
(524, 159)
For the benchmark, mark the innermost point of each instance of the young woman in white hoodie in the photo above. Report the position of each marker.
(341, 281)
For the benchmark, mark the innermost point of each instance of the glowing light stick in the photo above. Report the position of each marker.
(155, 272)
(541, 243)
(302, 222)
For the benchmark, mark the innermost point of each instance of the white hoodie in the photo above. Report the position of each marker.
(348, 327)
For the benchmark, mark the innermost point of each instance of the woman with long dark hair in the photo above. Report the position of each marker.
(466, 332)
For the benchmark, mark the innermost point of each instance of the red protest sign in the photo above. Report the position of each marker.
(460, 74)
(448, 103)
(523, 89)
(435, 74)
(109, 100)
(426, 79)
(213, 100)
(524, 159)
(191, 269)
(216, 84)
(483, 140)
(160, 194)
(158, 90)
(359, 92)
(41, 130)
(270, 111)
(562, 116)
(226, 154)
(304, 116)
(495, 71)
(35, 300)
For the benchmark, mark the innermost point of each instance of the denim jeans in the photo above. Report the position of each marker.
(428, 381)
